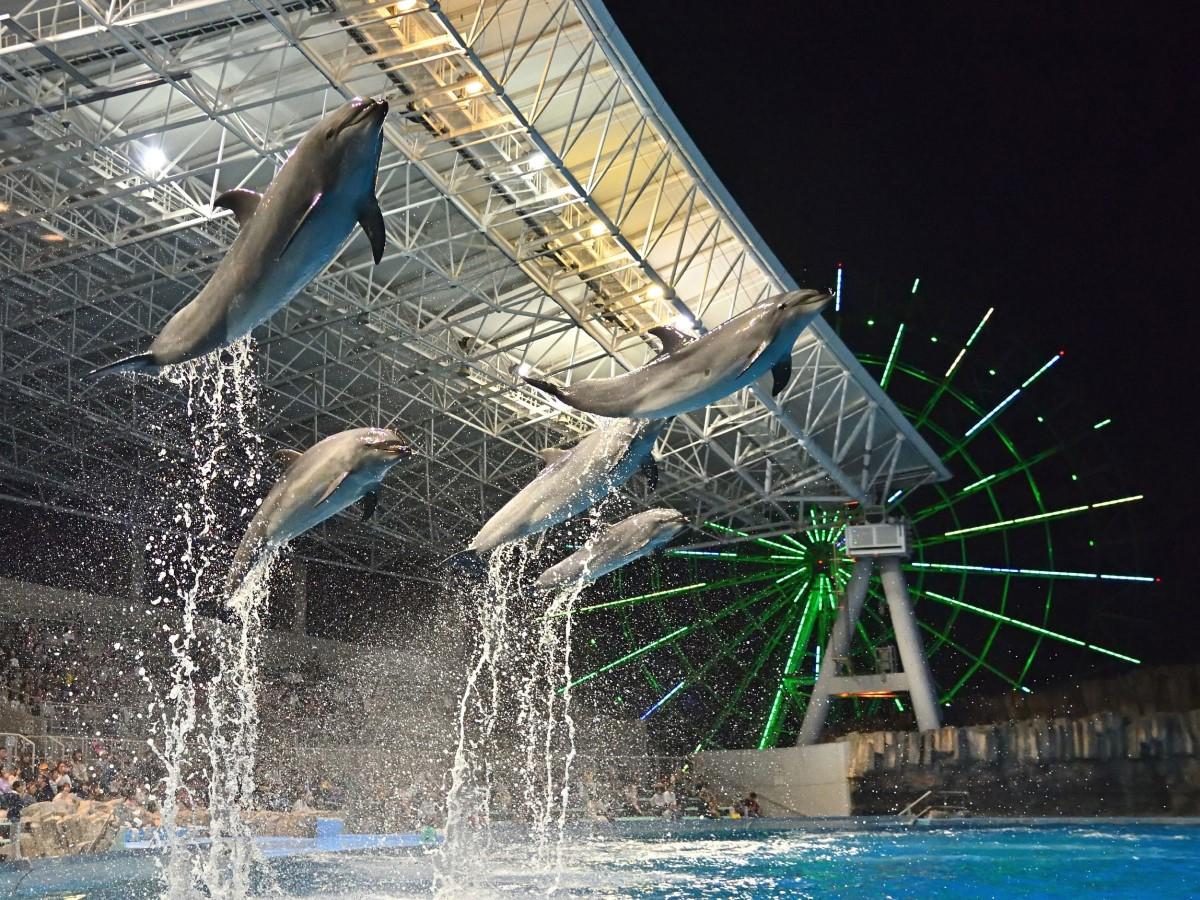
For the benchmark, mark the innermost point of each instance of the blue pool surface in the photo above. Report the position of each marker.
(769, 858)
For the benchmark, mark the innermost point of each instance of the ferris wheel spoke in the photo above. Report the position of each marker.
(989, 481)
(751, 673)
(727, 648)
(1027, 626)
(791, 665)
(1021, 521)
(927, 409)
(1023, 573)
(675, 635)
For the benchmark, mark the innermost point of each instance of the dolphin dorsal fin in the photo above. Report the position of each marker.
(242, 202)
(285, 457)
(671, 338)
(551, 455)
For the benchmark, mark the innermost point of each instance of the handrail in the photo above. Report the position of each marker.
(908, 809)
(20, 737)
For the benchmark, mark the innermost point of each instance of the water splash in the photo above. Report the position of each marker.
(206, 735)
(516, 737)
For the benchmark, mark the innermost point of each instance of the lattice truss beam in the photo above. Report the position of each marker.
(541, 211)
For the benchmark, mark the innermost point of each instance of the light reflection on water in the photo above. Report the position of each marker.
(1143, 860)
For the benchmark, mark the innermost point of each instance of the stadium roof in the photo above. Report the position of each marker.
(543, 206)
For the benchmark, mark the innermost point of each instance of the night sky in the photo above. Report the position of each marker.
(1036, 158)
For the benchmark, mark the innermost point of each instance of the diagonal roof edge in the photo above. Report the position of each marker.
(655, 106)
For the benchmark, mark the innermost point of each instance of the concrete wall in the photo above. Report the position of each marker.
(790, 781)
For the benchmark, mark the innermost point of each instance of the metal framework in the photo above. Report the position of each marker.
(543, 209)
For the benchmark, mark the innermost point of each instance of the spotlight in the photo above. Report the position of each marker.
(537, 160)
(654, 292)
(4, 207)
(524, 369)
(473, 87)
(598, 229)
(51, 237)
(405, 5)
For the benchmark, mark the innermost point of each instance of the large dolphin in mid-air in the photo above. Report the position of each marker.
(572, 481)
(616, 546)
(319, 483)
(288, 235)
(690, 374)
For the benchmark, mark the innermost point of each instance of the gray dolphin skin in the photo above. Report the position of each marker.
(319, 483)
(288, 235)
(690, 374)
(616, 546)
(572, 481)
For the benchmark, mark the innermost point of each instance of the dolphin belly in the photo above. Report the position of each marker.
(318, 242)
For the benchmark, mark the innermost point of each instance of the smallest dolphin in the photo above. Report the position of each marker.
(616, 546)
(319, 483)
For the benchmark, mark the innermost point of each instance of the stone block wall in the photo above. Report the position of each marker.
(1108, 763)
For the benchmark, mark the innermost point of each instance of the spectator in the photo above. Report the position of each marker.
(62, 776)
(664, 801)
(30, 794)
(632, 804)
(78, 771)
(749, 806)
(45, 790)
(7, 776)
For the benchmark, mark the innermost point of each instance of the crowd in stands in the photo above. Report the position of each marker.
(110, 776)
(672, 794)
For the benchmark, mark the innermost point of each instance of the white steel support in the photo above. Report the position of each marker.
(915, 679)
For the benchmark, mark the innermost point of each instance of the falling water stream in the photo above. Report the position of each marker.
(516, 737)
(208, 727)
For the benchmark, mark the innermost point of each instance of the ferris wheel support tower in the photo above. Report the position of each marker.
(871, 545)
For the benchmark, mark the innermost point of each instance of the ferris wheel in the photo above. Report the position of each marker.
(730, 631)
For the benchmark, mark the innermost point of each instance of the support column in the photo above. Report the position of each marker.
(908, 641)
(839, 642)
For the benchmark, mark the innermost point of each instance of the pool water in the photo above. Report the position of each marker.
(1102, 859)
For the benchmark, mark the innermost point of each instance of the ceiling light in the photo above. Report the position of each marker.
(474, 86)
(4, 207)
(685, 323)
(598, 228)
(52, 237)
(524, 369)
(405, 5)
(654, 292)
(537, 160)
(155, 161)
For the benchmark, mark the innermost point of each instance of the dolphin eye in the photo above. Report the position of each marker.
(783, 306)
(329, 134)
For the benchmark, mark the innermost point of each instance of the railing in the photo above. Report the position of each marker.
(934, 803)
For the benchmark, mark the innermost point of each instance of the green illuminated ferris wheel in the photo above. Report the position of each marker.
(729, 632)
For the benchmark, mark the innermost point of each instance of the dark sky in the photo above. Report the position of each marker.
(1040, 158)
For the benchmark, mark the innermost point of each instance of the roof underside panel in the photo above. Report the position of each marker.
(542, 208)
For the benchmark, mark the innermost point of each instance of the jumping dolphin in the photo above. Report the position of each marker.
(318, 483)
(691, 373)
(572, 481)
(288, 235)
(616, 546)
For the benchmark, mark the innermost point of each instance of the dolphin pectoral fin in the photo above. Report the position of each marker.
(370, 501)
(650, 470)
(304, 218)
(141, 362)
(670, 338)
(242, 202)
(781, 374)
(551, 455)
(333, 486)
(370, 217)
(285, 457)
(753, 357)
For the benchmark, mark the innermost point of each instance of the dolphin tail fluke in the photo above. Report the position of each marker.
(547, 387)
(141, 362)
(468, 562)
